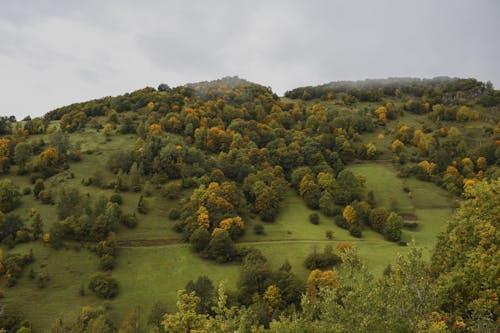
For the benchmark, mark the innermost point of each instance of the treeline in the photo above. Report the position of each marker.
(443, 90)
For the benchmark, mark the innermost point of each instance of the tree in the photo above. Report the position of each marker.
(38, 187)
(392, 229)
(37, 226)
(22, 154)
(9, 225)
(377, 218)
(349, 214)
(4, 154)
(9, 195)
(204, 289)
(221, 247)
(397, 147)
(200, 239)
(320, 280)
(155, 318)
(70, 202)
(466, 258)
(185, 319)
(60, 141)
(326, 203)
(381, 113)
(104, 286)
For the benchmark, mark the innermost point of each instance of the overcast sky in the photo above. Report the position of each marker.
(53, 53)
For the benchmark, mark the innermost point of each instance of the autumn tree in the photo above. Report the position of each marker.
(4, 154)
(186, 319)
(320, 280)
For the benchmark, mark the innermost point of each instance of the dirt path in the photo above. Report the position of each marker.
(147, 242)
(126, 243)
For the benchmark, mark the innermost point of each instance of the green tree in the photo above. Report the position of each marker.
(204, 289)
(22, 154)
(9, 195)
(392, 228)
(221, 247)
(37, 226)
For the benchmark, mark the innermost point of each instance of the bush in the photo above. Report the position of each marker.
(314, 218)
(38, 187)
(340, 222)
(324, 260)
(116, 198)
(142, 206)
(104, 286)
(258, 229)
(45, 197)
(26, 191)
(171, 191)
(174, 214)
(329, 234)
(179, 226)
(355, 231)
(106, 262)
(129, 220)
(199, 239)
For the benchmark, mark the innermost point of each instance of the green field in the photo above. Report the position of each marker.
(146, 275)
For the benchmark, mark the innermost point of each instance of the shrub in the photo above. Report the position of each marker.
(116, 198)
(258, 229)
(355, 231)
(314, 218)
(199, 239)
(329, 234)
(179, 226)
(129, 220)
(26, 191)
(174, 214)
(340, 222)
(106, 262)
(324, 260)
(42, 279)
(104, 286)
(38, 187)
(171, 191)
(142, 206)
(45, 197)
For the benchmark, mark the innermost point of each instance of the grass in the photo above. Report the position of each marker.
(68, 270)
(151, 274)
(145, 275)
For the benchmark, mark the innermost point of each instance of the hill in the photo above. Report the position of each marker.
(111, 206)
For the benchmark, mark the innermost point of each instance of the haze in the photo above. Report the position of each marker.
(54, 53)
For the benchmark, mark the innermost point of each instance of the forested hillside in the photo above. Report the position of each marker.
(367, 206)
